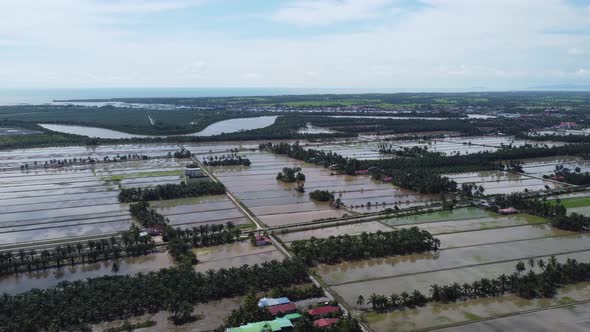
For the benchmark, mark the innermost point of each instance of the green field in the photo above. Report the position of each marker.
(575, 202)
(457, 214)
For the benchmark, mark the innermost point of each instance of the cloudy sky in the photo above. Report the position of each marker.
(397, 44)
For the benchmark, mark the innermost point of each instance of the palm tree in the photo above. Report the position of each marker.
(360, 301)
(373, 300)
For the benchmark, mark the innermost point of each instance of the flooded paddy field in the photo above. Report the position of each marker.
(321, 233)
(213, 313)
(473, 224)
(443, 315)
(574, 317)
(456, 257)
(276, 203)
(358, 150)
(499, 141)
(422, 281)
(546, 166)
(22, 282)
(446, 147)
(81, 200)
(192, 212)
(234, 255)
(499, 182)
(443, 215)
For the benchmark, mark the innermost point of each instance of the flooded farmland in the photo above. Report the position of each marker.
(452, 258)
(441, 315)
(18, 283)
(422, 281)
(277, 204)
(499, 182)
(234, 255)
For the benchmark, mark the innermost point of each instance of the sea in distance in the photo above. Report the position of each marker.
(47, 96)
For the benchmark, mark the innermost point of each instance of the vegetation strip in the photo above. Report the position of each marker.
(455, 268)
(365, 245)
(74, 305)
(531, 285)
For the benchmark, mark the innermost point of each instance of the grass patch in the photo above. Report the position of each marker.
(574, 202)
(471, 316)
(566, 300)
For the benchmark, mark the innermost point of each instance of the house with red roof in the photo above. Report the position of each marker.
(322, 311)
(287, 308)
(325, 322)
(509, 210)
(262, 240)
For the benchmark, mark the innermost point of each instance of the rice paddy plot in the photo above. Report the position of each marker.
(277, 204)
(234, 255)
(452, 258)
(446, 147)
(472, 224)
(572, 317)
(450, 314)
(49, 278)
(48, 203)
(325, 232)
(443, 215)
(499, 182)
(546, 166)
(423, 281)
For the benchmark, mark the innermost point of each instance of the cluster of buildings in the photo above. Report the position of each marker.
(286, 315)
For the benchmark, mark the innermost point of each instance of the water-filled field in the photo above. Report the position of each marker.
(18, 283)
(276, 203)
(499, 182)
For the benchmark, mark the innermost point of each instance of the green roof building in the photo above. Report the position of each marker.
(279, 324)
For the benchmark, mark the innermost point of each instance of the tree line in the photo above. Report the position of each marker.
(129, 243)
(530, 205)
(567, 175)
(170, 191)
(74, 305)
(433, 163)
(545, 283)
(573, 222)
(366, 245)
(226, 160)
(181, 241)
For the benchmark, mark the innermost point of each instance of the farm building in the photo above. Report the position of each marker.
(262, 240)
(287, 308)
(325, 322)
(279, 324)
(268, 302)
(509, 210)
(321, 311)
(192, 171)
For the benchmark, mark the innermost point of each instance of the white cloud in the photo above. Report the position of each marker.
(447, 44)
(309, 12)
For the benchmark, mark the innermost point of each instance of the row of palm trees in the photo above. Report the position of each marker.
(226, 160)
(544, 283)
(129, 243)
(204, 235)
(170, 191)
(77, 304)
(366, 245)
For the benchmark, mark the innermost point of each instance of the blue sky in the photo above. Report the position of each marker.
(397, 44)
